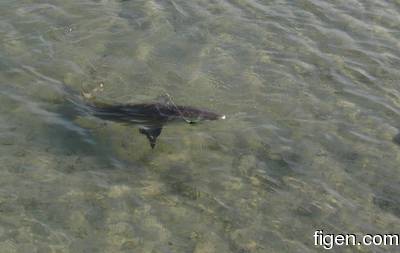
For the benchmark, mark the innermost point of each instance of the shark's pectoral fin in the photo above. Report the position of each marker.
(151, 133)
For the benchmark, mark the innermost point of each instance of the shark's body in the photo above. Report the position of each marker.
(150, 117)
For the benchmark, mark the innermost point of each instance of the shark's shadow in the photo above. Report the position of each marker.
(49, 128)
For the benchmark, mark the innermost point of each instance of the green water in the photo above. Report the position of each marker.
(312, 97)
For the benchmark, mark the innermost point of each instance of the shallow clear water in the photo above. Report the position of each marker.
(311, 93)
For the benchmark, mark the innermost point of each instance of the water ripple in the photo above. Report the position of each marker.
(311, 93)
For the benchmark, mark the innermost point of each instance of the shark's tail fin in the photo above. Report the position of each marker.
(89, 97)
(84, 101)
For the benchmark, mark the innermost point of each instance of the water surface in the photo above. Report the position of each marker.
(311, 93)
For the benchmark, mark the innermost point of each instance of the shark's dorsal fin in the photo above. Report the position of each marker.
(164, 99)
(151, 133)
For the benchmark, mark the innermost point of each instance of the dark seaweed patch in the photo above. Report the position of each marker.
(388, 200)
(396, 139)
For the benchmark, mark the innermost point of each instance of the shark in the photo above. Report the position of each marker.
(149, 117)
